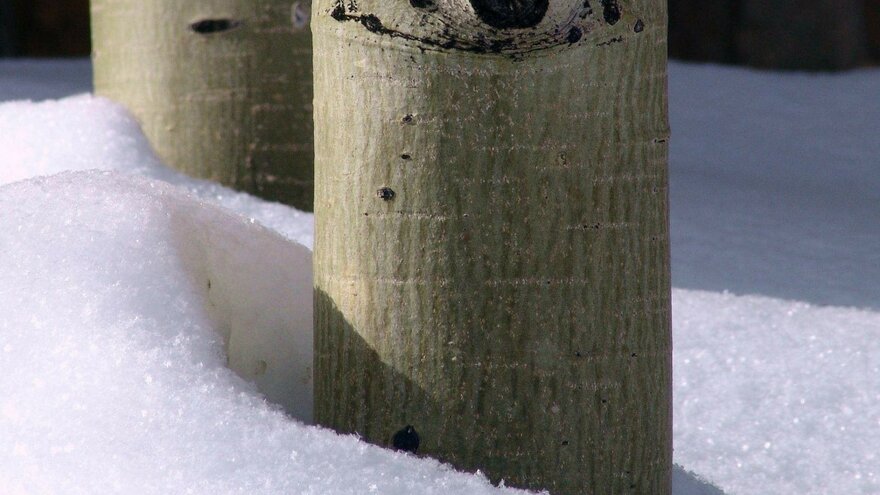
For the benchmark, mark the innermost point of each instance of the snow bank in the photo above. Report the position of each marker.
(776, 396)
(114, 376)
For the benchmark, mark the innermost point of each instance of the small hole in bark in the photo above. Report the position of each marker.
(209, 26)
(634, 355)
(565, 442)
(639, 27)
(385, 193)
(574, 35)
(406, 156)
(610, 11)
(407, 119)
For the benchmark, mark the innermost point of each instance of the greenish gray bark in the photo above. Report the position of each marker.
(222, 88)
(491, 248)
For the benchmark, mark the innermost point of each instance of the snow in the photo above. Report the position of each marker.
(122, 371)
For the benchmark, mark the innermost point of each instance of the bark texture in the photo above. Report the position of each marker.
(491, 249)
(222, 88)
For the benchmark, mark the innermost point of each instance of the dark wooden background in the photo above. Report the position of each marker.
(780, 34)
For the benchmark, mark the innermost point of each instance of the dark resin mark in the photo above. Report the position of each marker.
(610, 11)
(611, 41)
(385, 193)
(372, 23)
(639, 27)
(208, 26)
(406, 439)
(574, 35)
(517, 14)
(339, 14)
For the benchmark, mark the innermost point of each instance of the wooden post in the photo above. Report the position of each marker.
(222, 88)
(492, 249)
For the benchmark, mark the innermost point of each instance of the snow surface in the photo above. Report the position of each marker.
(113, 354)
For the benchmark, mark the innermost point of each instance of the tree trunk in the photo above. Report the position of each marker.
(222, 88)
(491, 248)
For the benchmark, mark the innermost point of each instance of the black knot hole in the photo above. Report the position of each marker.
(385, 194)
(209, 26)
(610, 11)
(407, 439)
(517, 14)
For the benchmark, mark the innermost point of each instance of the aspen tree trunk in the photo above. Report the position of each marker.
(222, 88)
(491, 249)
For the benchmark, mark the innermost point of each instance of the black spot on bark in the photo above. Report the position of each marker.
(516, 14)
(406, 439)
(565, 442)
(209, 26)
(610, 11)
(407, 119)
(338, 13)
(574, 35)
(372, 23)
(406, 156)
(639, 27)
(385, 193)
(422, 4)
(611, 41)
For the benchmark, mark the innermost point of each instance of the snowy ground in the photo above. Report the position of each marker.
(114, 379)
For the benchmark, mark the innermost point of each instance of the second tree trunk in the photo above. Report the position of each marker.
(222, 88)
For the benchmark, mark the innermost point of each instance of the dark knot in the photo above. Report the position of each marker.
(406, 439)
(517, 14)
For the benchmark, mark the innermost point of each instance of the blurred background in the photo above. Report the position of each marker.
(779, 34)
